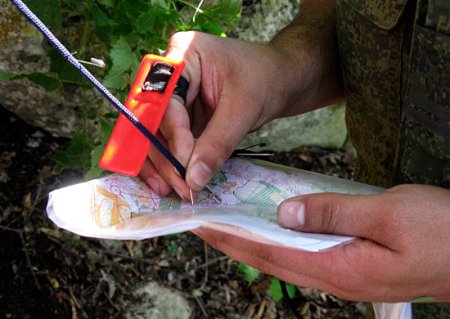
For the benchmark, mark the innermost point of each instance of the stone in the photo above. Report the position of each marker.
(22, 52)
(155, 302)
(262, 20)
(324, 127)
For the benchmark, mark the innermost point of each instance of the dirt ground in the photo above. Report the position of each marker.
(50, 273)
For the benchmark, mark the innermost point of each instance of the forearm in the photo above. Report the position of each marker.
(308, 47)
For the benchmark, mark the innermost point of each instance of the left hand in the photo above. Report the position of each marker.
(401, 252)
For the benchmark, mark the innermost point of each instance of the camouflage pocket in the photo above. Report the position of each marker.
(384, 14)
(426, 113)
(371, 37)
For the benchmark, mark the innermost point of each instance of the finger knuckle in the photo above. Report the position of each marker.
(329, 215)
(220, 153)
(180, 36)
(181, 39)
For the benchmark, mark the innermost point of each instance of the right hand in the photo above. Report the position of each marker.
(234, 88)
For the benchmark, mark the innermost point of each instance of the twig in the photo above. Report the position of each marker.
(6, 228)
(201, 306)
(73, 304)
(187, 275)
(44, 171)
(205, 279)
(74, 309)
(12, 222)
(27, 256)
(111, 302)
(113, 254)
(262, 308)
(75, 300)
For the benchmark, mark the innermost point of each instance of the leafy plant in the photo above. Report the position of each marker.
(121, 31)
(250, 273)
(275, 290)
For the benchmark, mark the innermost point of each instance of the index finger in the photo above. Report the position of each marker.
(175, 127)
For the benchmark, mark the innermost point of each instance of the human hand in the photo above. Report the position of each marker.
(234, 87)
(401, 252)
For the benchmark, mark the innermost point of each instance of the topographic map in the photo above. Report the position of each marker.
(123, 207)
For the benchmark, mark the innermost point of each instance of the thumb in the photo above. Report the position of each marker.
(331, 213)
(214, 146)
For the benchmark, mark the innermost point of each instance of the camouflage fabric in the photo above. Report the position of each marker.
(398, 107)
(371, 59)
(438, 16)
(424, 148)
(395, 58)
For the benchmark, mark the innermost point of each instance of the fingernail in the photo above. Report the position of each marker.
(292, 214)
(200, 174)
(178, 192)
(153, 183)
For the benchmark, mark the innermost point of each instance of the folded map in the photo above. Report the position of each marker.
(122, 207)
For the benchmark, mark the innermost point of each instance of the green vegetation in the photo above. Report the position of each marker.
(275, 290)
(251, 275)
(121, 32)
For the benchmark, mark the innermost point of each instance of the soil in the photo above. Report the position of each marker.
(49, 273)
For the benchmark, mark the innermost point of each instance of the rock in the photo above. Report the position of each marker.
(261, 20)
(324, 127)
(22, 52)
(157, 302)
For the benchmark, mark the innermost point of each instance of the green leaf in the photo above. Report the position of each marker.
(49, 11)
(48, 82)
(122, 59)
(197, 293)
(173, 247)
(100, 17)
(173, 236)
(77, 155)
(210, 28)
(222, 16)
(116, 79)
(105, 130)
(165, 4)
(107, 3)
(250, 273)
(276, 292)
(122, 55)
(106, 127)
(155, 20)
(145, 21)
(95, 170)
(65, 71)
(135, 7)
(6, 76)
